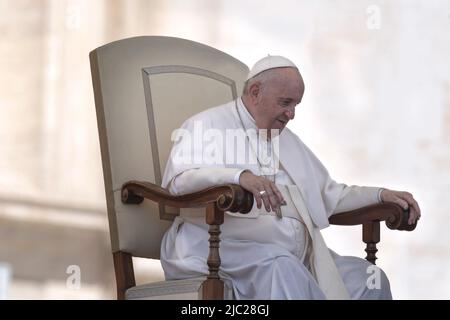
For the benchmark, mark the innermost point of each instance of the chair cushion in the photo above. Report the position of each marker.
(186, 289)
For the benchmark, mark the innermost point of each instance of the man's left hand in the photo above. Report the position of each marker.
(403, 199)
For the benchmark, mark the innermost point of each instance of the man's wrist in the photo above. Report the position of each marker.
(237, 176)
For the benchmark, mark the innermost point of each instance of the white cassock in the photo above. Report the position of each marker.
(262, 256)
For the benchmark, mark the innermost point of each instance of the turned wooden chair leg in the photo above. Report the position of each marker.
(213, 286)
(123, 266)
(371, 236)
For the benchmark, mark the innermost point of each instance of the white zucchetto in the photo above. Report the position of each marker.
(270, 62)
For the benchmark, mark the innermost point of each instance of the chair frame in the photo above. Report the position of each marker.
(234, 198)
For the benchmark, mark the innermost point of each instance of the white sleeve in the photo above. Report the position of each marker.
(193, 180)
(354, 197)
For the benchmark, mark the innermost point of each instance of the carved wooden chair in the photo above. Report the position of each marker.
(144, 88)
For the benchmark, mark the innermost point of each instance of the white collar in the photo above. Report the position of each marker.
(247, 118)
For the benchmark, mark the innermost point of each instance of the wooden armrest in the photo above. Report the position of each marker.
(396, 218)
(217, 200)
(230, 197)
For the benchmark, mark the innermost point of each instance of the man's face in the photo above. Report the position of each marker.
(278, 99)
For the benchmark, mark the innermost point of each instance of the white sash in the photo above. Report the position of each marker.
(322, 264)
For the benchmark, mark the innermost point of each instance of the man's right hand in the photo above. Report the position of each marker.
(264, 191)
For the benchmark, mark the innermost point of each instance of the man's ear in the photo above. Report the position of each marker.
(254, 91)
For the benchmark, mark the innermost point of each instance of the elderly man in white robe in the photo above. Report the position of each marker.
(276, 251)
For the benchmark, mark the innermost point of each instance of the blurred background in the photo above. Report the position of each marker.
(376, 112)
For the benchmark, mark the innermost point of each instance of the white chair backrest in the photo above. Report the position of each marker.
(145, 87)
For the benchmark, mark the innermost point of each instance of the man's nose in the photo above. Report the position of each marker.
(290, 113)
